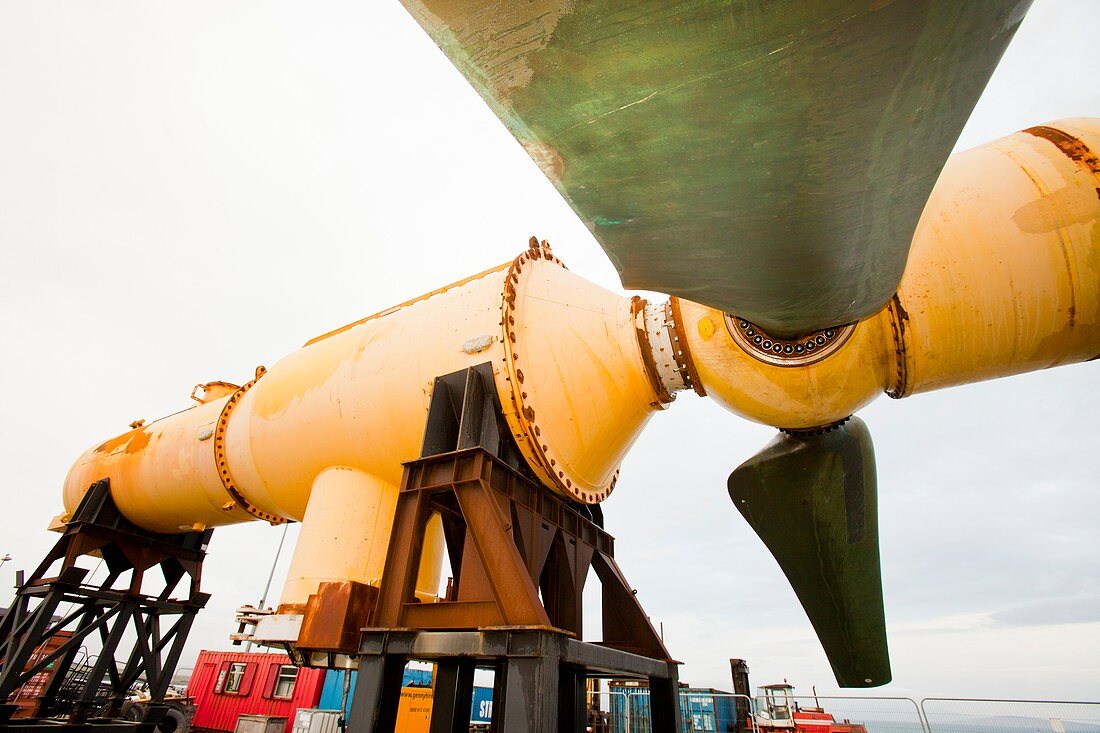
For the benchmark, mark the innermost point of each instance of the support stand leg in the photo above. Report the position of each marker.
(530, 682)
(500, 699)
(453, 695)
(664, 701)
(540, 679)
(377, 694)
(572, 700)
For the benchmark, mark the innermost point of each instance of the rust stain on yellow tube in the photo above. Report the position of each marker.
(1074, 148)
(987, 297)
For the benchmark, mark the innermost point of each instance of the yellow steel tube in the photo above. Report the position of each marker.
(345, 533)
(163, 474)
(1004, 276)
(320, 437)
(346, 507)
(794, 396)
(358, 397)
(580, 395)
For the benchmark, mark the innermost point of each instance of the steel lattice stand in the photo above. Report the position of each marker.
(39, 641)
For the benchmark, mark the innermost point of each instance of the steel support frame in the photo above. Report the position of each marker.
(540, 683)
(91, 697)
(508, 538)
(520, 555)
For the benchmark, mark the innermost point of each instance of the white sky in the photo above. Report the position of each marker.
(188, 190)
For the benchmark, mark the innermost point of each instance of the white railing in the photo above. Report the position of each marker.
(959, 715)
(626, 710)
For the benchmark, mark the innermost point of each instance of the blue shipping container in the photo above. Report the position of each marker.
(702, 710)
(481, 708)
(481, 711)
(333, 690)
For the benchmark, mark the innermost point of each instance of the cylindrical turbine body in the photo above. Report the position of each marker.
(321, 436)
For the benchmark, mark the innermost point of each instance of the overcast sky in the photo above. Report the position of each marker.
(188, 190)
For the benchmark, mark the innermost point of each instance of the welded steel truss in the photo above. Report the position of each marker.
(57, 616)
(519, 556)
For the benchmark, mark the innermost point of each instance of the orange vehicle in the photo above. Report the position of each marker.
(777, 710)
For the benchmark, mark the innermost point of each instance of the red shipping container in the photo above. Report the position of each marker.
(225, 685)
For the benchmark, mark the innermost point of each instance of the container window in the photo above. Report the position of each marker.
(234, 677)
(284, 681)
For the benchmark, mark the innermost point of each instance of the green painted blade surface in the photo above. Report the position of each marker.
(770, 158)
(813, 502)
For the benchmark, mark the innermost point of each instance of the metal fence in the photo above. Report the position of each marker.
(627, 711)
(876, 714)
(956, 715)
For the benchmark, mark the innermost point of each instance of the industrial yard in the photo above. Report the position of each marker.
(439, 366)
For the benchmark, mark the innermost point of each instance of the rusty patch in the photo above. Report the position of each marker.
(334, 615)
(1072, 147)
(902, 313)
(898, 318)
(508, 37)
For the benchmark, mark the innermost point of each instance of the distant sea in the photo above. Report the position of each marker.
(1002, 724)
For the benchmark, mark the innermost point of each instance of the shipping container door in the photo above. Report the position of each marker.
(201, 679)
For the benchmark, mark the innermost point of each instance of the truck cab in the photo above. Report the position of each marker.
(775, 706)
